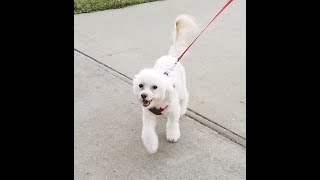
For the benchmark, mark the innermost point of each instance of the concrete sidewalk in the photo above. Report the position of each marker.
(132, 38)
(108, 129)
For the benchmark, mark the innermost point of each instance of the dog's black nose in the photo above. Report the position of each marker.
(144, 95)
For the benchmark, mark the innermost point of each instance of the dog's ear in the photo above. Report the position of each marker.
(135, 79)
(169, 92)
(134, 83)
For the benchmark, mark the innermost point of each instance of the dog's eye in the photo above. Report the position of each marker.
(154, 87)
(141, 85)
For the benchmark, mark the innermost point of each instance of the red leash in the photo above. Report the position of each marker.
(224, 7)
(159, 111)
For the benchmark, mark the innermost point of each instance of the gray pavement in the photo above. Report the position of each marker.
(132, 38)
(107, 142)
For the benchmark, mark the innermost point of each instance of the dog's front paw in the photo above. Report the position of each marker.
(152, 150)
(173, 135)
(151, 146)
(150, 141)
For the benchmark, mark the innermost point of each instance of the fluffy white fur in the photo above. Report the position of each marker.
(170, 90)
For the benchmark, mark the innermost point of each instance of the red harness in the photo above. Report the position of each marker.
(157, 111)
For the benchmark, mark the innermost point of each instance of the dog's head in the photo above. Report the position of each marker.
(151, 87)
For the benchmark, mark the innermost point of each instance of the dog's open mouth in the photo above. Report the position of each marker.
(146, 102)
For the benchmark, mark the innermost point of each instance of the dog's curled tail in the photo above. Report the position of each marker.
(184, 32)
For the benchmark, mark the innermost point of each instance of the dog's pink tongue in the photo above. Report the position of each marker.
(145, 103)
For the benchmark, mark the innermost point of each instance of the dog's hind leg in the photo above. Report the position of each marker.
(184, 103)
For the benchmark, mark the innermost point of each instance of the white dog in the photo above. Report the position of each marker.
(162, 90)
